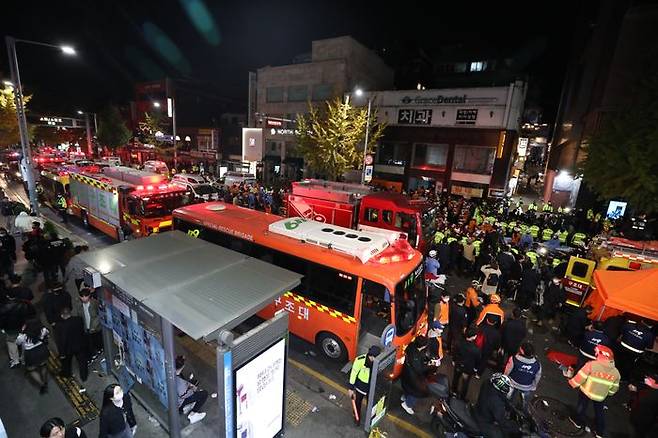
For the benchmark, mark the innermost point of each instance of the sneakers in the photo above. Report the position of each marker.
(408, 409)
(188, 408)
(402, 398)
(195, 417)
(575, 423)
(13, 365)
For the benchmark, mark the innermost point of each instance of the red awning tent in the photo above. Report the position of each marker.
(633, 292)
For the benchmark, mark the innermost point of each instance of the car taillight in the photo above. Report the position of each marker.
(635, 265)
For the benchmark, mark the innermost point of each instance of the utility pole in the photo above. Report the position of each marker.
(171, 109)
(22, 124)
(365, 144)
(90, 147)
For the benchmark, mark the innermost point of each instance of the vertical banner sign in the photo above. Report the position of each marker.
(380, 387)
(252, 144)
(228, 394)
(252, 99)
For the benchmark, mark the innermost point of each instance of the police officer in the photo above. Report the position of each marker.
(635, 338)
(524, 371)
(594, 336)
(534, 231)
(360, 380)
(578, 239)
(62, 206)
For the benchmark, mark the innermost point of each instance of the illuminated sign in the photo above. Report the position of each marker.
(275, 123)
(260, 393)
(466, 116)
(414, 116)
(283, 131)
(438, 100)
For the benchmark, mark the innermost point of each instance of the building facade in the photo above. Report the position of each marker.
(336, 66)
(461, 140)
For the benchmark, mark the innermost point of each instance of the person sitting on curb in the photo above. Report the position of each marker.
(190, 397)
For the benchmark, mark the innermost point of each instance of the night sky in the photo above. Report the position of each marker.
(213, 44)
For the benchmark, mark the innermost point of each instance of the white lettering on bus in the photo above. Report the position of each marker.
(226, 230)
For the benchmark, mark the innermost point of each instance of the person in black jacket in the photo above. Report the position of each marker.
(13, 315)
(576, 323)
(527, 289)
(491, 408)
(467, 361)
(513, 333)
(7, 252)
(491, 341)
(55, 427)
(644, 411)
(458, 322)
(414, 374)
(70, 336)
(21, 292)
(554, 297)
(117, 419)
(53, 302)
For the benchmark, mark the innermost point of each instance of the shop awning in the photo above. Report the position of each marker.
(634, 292)
(198, 286)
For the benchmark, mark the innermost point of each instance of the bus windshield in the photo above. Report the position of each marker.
(410, 300)
(407, 223)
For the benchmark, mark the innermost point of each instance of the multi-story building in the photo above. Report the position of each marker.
(608, 57)
(336, 66)
(461, 140)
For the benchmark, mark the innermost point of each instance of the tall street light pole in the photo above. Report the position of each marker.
(20, 112)
(90, 147)
(359, 92)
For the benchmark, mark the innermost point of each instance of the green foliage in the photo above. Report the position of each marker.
(622, 157)
(9, 133)
(112, 130)
(154, 122)
(331, 140)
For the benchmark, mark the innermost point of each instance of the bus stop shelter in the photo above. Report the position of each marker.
(146, 287)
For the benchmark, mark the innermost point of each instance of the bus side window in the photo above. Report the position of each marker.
(398, 221)
(387, 216)
(372, 215)
(293, 264)
(332, 288)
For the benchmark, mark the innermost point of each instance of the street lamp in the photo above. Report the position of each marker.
(20, 110)
(156, 104)
(359, 93)
(90, 147)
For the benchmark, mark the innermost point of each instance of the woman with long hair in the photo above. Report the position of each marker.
(117, 419)
(55, 428)
(34, 341)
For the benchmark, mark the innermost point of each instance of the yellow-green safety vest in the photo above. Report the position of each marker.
(578, 239)
(439, 236)
(61, 202)
(476, 247)
(534, 231)
(532, 256)
(563, 236)
(547, 234)
(450, 239)
(556, 262)
(360, 371)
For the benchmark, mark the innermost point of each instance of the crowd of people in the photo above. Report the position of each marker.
(517, 256)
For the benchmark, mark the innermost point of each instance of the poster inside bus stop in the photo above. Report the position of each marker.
(260, 394)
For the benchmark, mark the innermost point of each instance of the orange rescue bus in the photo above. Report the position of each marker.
(355, 283)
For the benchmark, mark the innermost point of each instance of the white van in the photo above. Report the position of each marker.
(238, 178)
(112, 161)
(156, 166)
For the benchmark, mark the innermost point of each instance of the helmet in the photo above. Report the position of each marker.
(432, 253)
(502, 383)
(475, 283)
(602, 350)
(436, 325)
(494, 299)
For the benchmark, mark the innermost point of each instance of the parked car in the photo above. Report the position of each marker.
(238, 178)
(156, 166)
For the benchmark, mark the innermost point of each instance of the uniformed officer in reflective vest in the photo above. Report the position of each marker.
(62, 206)
(578, 239)
(360, 380)
(546, 234)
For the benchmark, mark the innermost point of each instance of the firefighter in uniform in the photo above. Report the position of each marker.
(360, 380)
(62, 206)
(597, 380)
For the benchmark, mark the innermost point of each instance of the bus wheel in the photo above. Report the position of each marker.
(332, 347)
(85, 219)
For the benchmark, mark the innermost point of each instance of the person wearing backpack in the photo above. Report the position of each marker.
(488, 339)
(491, 277)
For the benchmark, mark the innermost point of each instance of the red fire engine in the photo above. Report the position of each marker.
(123, 201)
(359, 207)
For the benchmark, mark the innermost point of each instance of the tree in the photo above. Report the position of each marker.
(112, 130)
(9, 133)
(53, 136)
(331, 141)
(622, 156)
(152, 124)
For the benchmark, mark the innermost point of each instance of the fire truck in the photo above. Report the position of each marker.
(360, 207)
(613, 254)
(54, 180)
(122, 201)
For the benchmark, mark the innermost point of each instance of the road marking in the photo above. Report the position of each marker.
(399, 422)
(403, 424)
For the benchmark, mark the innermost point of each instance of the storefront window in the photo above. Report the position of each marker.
(474, 159)
(431, 155)
(392, 154)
